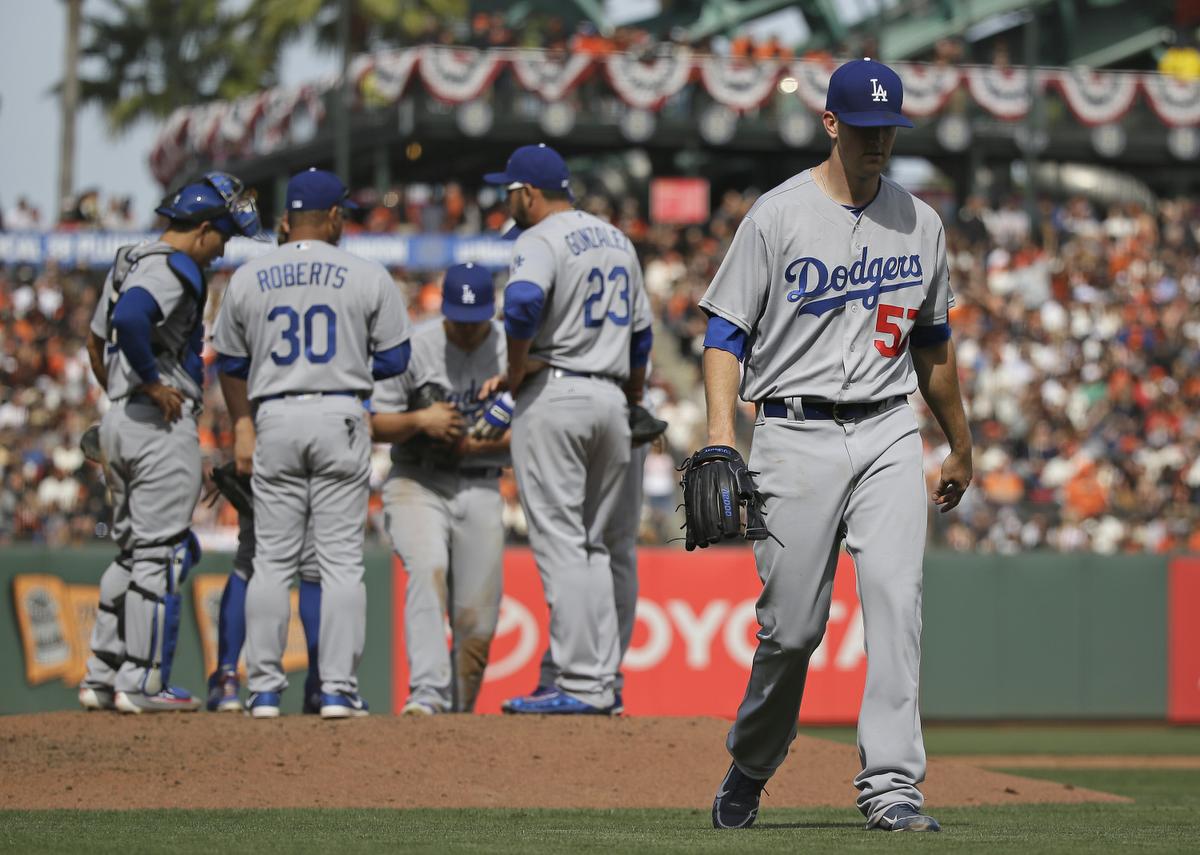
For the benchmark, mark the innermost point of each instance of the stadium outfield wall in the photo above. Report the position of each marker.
(1036, 636)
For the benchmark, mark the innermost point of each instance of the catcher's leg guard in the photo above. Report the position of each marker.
(108, 632)
(153, 611)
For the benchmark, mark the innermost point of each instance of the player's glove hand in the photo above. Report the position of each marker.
(720, 499)
(496, 418)
(236, 489)
(89, 444)
(437, 447)
(643, 427)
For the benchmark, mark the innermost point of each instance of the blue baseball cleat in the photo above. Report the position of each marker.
(904, 817)
(539, 692)
(554, 702)
(343, 705)
(223, 688)
(736, 804)
(263, 705)
(618, 707)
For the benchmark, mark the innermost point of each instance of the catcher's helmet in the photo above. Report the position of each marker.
(218, 197)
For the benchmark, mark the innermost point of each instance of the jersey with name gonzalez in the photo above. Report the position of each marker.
(595, 295)
(827, 299)
(435, 359)
(309, 315)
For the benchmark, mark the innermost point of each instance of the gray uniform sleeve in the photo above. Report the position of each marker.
(533, 261)
(642, 317)
(938, 301)
(739, 289)
(391, 395)
(389, 324)
(100, 315)
(229, 331)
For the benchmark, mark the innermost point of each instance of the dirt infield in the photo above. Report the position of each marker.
(106, 760)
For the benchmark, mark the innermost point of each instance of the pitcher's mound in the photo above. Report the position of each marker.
(206, 760)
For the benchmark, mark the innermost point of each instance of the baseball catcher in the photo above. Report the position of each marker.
(720, 499)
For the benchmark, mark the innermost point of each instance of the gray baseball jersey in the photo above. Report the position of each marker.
(448, 529)
(829, 298)
(595, 295)
(308, 315)
(182, 305)
(436, 360)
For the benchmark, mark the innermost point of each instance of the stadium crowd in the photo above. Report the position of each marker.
(1078, 341)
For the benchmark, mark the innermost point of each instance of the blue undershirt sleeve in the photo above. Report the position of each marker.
(639, 347)
(234, 366)
(726, 336)
(390, 362)
(928, 336)
(523, 303)
(133, 318)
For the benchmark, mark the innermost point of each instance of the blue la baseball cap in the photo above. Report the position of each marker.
(317, 190)
(536, 165)
(468, 294)
(866, 94)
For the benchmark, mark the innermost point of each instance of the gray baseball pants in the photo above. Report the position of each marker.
(570, 446)
(154, 478)
(821, 479)
(311, 463)
(449, 533)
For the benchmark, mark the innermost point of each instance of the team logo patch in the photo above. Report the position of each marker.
(468, 296)
(878, 93)
(812, 279)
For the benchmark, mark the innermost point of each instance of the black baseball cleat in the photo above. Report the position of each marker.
(736, 804)
(904, 817)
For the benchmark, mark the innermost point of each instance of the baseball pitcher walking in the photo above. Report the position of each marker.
(303, 332)
(832, 302)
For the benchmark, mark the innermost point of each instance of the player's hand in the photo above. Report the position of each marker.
(168, 399)
(492, 385)
(957, 470)
(442, 421)
(244, 439)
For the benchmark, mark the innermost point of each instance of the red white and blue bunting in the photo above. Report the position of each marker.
(549, 75)
(1002, 92)
(262, 123)
(647, 84)
(1096, 98)
(1176, 102)
(456, 74)
(738, 84)
(812, 83)
(927, 88)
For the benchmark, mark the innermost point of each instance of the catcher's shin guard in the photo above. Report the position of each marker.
(108, 632)
(159, 572)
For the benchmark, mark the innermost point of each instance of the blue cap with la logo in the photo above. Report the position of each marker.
(866, 94)
(468, 294)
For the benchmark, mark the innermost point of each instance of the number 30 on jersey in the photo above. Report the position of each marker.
(320, 339)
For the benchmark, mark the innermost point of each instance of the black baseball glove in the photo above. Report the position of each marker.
(422, 446)
(720, 499)
(89, 444)
(234, 487)
(644, 427)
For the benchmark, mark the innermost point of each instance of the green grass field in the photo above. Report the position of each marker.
(1164, 817)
